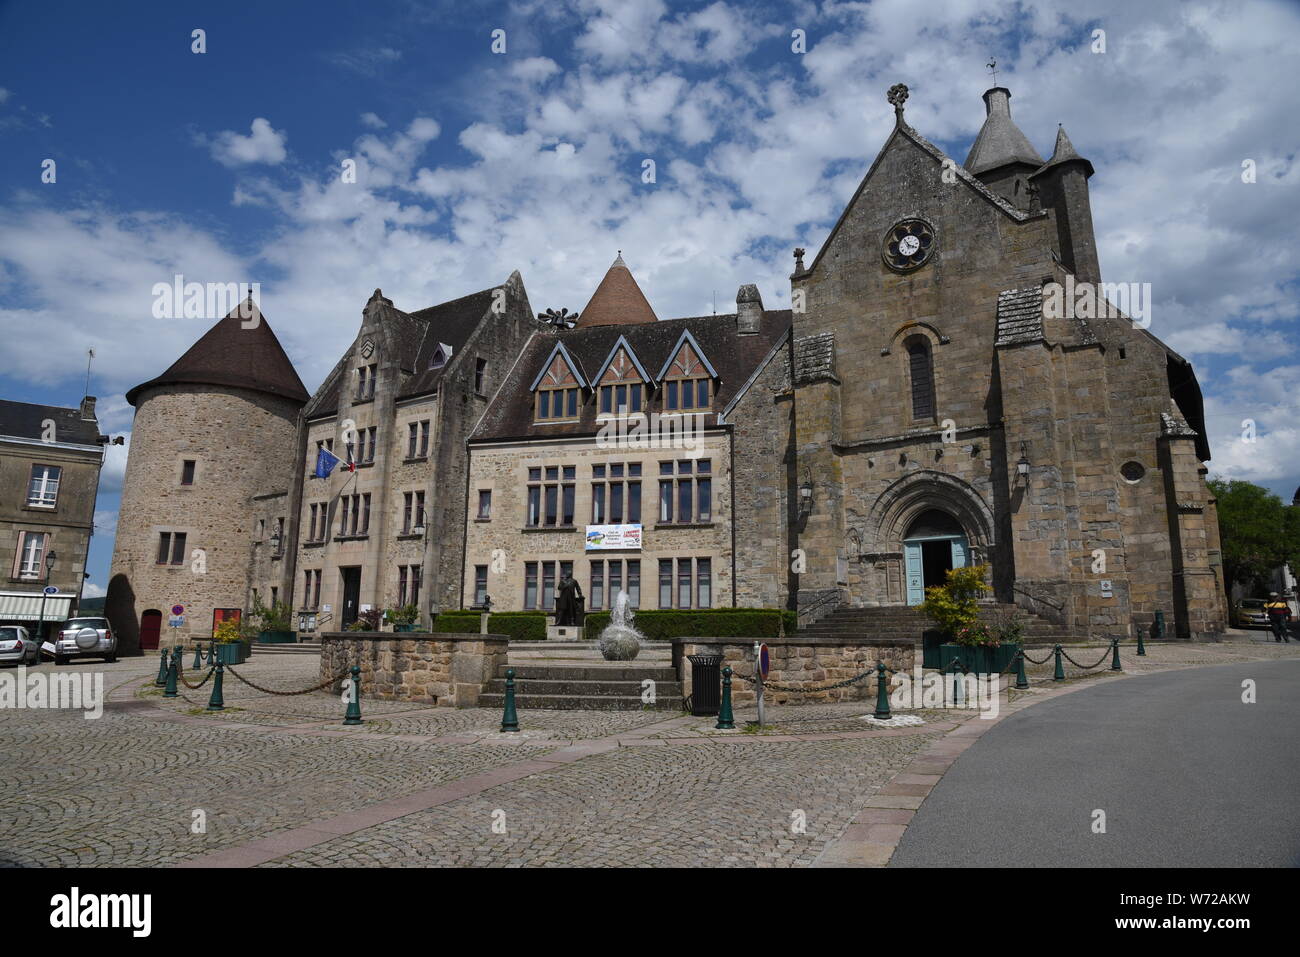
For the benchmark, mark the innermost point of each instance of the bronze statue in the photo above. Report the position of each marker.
(568, 593)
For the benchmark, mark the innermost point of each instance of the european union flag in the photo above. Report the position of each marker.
(325, 462)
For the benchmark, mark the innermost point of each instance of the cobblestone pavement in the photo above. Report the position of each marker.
(283, 783)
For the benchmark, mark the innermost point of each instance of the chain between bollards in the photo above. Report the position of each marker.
(726, 721)
(509, 717)
(162, 667)
(216, 702)
(353, 714)
(173, 668)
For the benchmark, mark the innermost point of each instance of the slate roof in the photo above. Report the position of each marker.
(734, 356)
(814, 358)
(230, 355)
(1020, 315)
(1063, 153)
(24, 420)
(999, 141)
(419, 333)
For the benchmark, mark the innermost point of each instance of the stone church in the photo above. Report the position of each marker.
(925, 404)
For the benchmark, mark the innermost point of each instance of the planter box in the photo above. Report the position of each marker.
(276, 638)
(231, 652)
(979, 659)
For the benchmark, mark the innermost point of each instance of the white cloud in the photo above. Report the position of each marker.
(263, 144)
(91, 590)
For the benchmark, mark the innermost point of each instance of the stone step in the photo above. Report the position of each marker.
(302, 648)
(614, 689)
(580, 702)
(588, 672)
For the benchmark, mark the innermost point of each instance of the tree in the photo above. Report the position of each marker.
(1258, 533)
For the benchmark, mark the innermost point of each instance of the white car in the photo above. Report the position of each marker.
(85, 638)
(17, 647)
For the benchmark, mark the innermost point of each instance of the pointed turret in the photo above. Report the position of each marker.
(241, 352)
(1062, 187)
(618, 300)
(1000, 141)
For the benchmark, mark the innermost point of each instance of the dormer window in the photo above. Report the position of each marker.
(365, 383)
(622, 381)
(441, 356)
(689, 379)
(556, 404)
(621, 399)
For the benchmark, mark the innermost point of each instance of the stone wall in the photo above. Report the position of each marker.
(447, 670)
(799, 663)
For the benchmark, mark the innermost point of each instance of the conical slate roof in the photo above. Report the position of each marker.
(1064, 153)
(231, 355)
(999, 141)
(617, 301)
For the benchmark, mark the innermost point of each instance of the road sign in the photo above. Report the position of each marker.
(178, 610)
(176, 621)
(51, 590)
(764, 661)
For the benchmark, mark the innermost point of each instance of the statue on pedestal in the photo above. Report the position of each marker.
(567, 595)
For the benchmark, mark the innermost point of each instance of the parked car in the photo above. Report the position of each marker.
(75, 640)
(1250, 613)
(17, 647)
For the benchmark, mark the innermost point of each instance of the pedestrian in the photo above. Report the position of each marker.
(1279, 617)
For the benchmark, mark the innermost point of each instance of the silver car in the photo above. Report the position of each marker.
(17, 647)
(85, 638)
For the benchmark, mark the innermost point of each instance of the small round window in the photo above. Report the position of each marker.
(1132, 471)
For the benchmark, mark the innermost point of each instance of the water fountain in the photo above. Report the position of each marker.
(620, 641)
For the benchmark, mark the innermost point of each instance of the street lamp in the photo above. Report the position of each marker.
(1022, 467)
(40, 624)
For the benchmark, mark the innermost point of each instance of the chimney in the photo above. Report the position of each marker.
(88, 408)
(749, 310)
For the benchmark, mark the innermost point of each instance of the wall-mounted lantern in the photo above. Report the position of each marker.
(1022, 467)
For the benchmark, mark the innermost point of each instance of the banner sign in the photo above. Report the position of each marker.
(601, 537)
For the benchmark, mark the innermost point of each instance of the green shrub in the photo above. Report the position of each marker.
(517, 625)
(662, 624)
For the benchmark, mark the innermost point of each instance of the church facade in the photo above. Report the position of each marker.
(951, 386)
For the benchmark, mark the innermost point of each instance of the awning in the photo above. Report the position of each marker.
(26, 606)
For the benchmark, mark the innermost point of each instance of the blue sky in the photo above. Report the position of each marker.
(225, 167)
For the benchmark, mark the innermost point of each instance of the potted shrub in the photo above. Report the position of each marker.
(274, 624)
(232, 644)
(367, 620)
(404, 618)
(955, 609)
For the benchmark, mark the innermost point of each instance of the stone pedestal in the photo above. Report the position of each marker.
(563, 633)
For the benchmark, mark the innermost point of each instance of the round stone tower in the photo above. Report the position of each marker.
(214, 430)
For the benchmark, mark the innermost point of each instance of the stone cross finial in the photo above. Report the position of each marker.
(898, 96)
(798, 258)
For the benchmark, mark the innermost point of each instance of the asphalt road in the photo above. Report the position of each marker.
(1187, 775)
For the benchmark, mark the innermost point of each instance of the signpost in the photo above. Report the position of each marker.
(177, 620)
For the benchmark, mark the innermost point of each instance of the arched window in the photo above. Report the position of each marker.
(921, 369)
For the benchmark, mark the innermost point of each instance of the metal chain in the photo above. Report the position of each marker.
(1035, 661)
(180, 673)
(780, 687)
(289, 694)
(1066, 655)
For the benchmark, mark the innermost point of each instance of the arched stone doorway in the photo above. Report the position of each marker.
(934, 543)
(925, 505)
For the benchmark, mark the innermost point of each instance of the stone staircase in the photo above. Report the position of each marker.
(906, 623)
(573, 675)
(301, 648)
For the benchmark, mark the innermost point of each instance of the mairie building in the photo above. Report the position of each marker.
(952, 385)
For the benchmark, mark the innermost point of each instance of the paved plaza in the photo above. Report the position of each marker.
(279, 781)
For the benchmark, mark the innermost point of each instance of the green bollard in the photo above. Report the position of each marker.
(172, 668)
(510, 717)
(353, 714)
(726, 721)
(1158, 626)
(1142, 649)
(162, 667)
(1060, 669)
(198, 656)
(1022, 681)
(1114, 658)
(882, 694)
(217, 702)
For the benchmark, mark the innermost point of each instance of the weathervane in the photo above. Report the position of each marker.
(562, 319)
(993, 68)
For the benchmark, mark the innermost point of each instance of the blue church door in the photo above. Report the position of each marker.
(934, 544)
